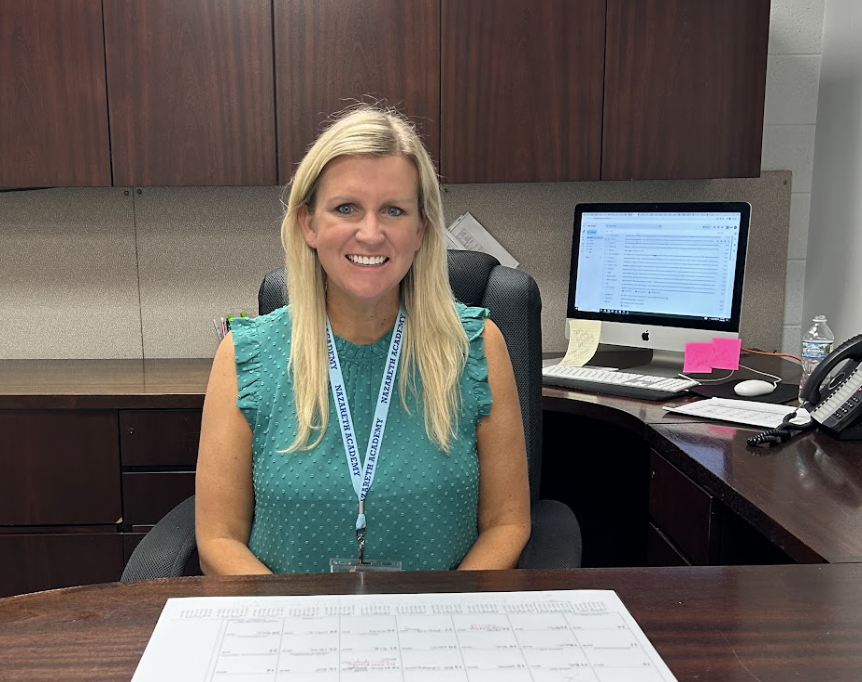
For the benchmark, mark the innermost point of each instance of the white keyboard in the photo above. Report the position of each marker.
(611, 382)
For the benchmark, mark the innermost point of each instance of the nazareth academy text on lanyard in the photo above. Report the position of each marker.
(362, 474)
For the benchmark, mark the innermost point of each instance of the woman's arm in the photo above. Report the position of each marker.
(224, 496)
(504, 489)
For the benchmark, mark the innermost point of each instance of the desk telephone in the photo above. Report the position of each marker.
(832, 395)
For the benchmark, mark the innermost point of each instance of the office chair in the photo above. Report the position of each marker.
(513, 298)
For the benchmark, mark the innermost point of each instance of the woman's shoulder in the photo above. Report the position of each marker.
(264, 334)
(473, 319)
(476, 366)
(275, 322)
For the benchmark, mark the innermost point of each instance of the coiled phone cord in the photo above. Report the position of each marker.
(784, 432)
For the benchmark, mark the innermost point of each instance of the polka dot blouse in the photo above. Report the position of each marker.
(422, 507)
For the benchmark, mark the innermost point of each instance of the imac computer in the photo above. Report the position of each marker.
(657, 276)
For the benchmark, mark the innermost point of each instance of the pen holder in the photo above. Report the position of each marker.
(222, 325)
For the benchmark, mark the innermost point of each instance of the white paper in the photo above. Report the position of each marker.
(471, 236)
(571, 635)
(767, 415)
(452, 243)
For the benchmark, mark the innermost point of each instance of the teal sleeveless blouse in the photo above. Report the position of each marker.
(422, 507)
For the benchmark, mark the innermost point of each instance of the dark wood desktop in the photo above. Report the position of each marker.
(709, 624)
(648, 487)
(654, 488)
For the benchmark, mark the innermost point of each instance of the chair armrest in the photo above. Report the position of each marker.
(556, 538)
(169, 549)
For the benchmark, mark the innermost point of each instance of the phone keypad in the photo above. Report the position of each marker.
(839, 406)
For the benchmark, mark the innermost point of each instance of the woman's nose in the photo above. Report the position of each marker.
(370, 231)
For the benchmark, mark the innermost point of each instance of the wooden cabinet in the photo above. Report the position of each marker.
(222, 92)
(35, 561)
(330, 54)
(190, 86)
(690, 526)
(159, 438)
(53, 106)
(59, 468)
(59, 499)
(522, 90)
(76, 482)
(148, 496)
(661, 551)
(684, 89)
(683, 514)
(159, 450)
(86, 472)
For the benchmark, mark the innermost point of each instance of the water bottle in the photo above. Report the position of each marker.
(816, 345)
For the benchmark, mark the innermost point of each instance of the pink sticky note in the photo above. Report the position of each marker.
(698, 358)
(726, 353)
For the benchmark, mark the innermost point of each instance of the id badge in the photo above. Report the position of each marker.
(370, 566)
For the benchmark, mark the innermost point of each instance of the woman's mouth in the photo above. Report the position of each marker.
(367, 260)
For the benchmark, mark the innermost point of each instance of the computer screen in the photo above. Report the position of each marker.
(659, 275)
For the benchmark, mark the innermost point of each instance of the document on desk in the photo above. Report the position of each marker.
(767, 415)
(566, 635)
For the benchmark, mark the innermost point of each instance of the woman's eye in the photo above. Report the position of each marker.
(394, 212)
(344, 209)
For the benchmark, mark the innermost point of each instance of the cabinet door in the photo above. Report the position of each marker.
(59, 468)
(684, 88)
(191, 92)
(33, 561)
(53, 105)
(331, 53)
(683, 512)
(159, 438)
(522, 90)
(148, 496)
(661, 551)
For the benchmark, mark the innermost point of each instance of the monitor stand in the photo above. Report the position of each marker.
(639, 360)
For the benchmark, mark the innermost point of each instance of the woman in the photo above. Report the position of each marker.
(284, 482)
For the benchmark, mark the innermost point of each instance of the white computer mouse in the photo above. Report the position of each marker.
(751, 388)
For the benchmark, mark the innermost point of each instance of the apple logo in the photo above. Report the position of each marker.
(645, 335)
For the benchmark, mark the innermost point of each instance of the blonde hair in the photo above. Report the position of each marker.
(435, 343)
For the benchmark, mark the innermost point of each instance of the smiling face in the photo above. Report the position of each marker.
(366, 227)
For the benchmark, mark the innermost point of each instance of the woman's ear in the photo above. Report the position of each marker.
(303, 216)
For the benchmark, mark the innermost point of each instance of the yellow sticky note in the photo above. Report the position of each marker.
(583, 342)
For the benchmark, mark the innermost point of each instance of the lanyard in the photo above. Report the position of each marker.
(363, 475)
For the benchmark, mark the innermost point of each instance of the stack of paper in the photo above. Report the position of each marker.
(467, 234)
(767, 415)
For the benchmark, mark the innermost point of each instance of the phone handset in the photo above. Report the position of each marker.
(841, 409)
(849, 350)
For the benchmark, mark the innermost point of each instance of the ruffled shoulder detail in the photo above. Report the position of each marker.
(476, 370)
(246, 345)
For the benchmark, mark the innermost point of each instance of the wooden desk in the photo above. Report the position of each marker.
(805, 496)
(128, 431)
(93, 453)
(652, 487)
(772, 624)
(103, 384)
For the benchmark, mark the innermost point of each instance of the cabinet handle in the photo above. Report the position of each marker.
(131, 430)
